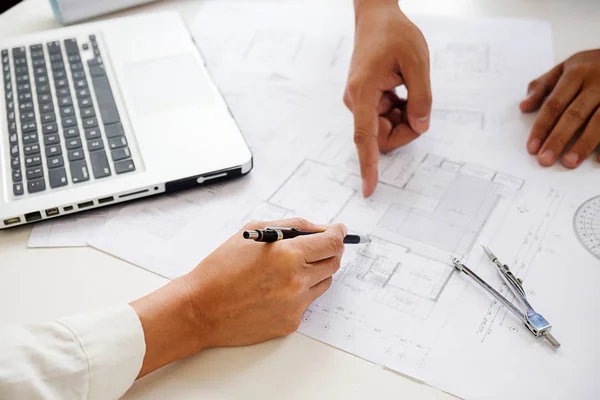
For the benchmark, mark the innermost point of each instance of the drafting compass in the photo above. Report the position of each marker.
(537, 324)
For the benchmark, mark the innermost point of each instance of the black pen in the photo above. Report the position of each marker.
(274, 233)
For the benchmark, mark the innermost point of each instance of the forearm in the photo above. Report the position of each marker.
(171, 330)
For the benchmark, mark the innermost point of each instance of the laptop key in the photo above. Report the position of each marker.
(71, 46)
(114, 130)
(97, 70)
(95, 144)
(28, 116)
(85, 102)
(44, 108)
(65, 101)
(53, 47)
(122, 167)
(44, 98)
(14, 150)
(81, 93)
(59, 74)
(30, 138)
(48, 118)
(56, 162)
(17, 176)
(41, 80)
(69, 122)
(64, 92)
(56, 57)
(31, 150)
(33, 161)
(49, 128)
(71, 133)
(29, 127)
(88, 113)
(18, 189)
(66, 111)
(117, 142)
(15, 162)
(57, 177)
(121, 154)
(73, 144)
(36, 185)
(75, 155)
(24, 87)
(13, 139)
(39, 62)
(54, 150)
(26, 96)
(50, 140)
(106, 100)
(90, 123)
(34, 173)
(79, 171)
(100, 166)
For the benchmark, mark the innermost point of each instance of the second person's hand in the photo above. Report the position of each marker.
(389, 51)
(569, 118)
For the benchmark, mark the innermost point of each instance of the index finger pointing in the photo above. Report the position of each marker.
(365, 137)
(323, 245)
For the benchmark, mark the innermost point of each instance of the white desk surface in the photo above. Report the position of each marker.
(42, 284)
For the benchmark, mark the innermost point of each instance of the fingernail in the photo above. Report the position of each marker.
(547, 157)
(422, 124)
(534, 146)
(571, 159)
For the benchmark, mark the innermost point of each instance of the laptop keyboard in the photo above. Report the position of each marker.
(55, 138)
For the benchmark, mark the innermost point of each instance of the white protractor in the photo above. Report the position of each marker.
(587, 225)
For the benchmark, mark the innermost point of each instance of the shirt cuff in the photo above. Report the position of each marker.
(114, 346)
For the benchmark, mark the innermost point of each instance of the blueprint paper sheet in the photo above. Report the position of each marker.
(397, 302)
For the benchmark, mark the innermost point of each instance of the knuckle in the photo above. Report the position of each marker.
(297, 284)
(576, 112)
(355, 83)
(291, 326)
(336, 243)
(554, 105)
(580, 69)
(361, 136)
(297, 222)
(347, 99)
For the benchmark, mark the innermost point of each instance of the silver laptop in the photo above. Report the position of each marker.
(102, 113)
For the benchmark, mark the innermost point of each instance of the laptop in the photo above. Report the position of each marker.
(102, 113)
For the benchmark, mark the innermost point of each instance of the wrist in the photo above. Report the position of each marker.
(363, 6)
(170, 325)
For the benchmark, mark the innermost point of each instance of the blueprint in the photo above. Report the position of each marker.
(397, 301)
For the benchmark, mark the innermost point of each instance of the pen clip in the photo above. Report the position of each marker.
(282, 229)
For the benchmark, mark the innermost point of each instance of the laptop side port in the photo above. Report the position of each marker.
(33, 216)
(85, 204)
(106, 200)
(51, 212)
(12, 221)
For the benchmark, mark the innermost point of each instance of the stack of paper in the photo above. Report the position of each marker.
(398, 302)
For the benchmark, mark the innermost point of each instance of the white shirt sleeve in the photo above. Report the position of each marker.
(88, 356)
